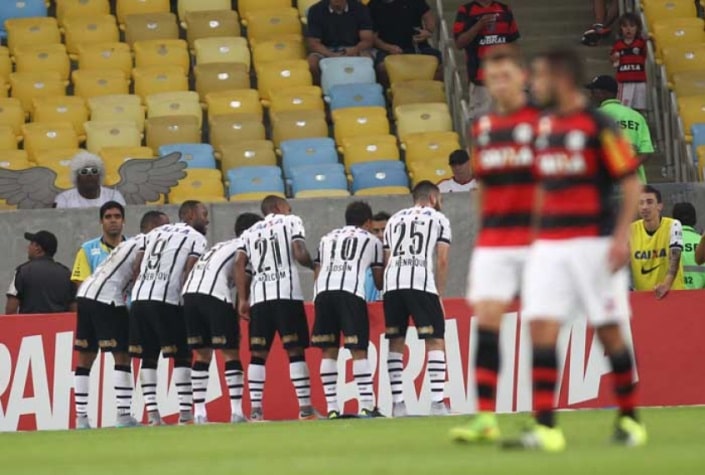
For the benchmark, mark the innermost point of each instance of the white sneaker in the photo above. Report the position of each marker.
(237, 419)
(82, 423)
(200, 420)
(256, 415)
(185, 418)
(126, 421)
(399, 409)
(154, 419)
(439, 409)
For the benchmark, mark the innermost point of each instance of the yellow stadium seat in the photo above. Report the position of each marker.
(370, 148)
(691, 83)
(304, 124)
(40, 136)
(71, 109)
(383, 190)
(89, 30)
(247, 153)
(14, 160)
(267, 25)
(428, 146)
(434, 171)
(28, 86)
(410, 67)
(32, 31)
(247, 7)
(359, 121)
(12, 115)
(683, 58)
(114, 157)
(5, 63)
(692, 111)
(233, 101)
(89, 83)
(139, 7)
(184, 7)
(175, 103)
(167, 130)
(303, 6)
(218, 77)
(58, 160)
(162, 53)
(81, 8)
(155, 79)
(417, 92)
(101, 134)
(280, 49)
(655, 10)
(40, 58)
(4, 87)
(205, 185)
(235, 128)
(282, 74)
(151, 26)
(296, 99)
(415, 118)
(231, 49)
(118, 107)
(8, 139)
(326, 193)
(103, 56)
(676, 31)
(211, 23)
(178, 196)
(255, 196)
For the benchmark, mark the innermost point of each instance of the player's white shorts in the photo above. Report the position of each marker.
(633, 94)
(495, 273)
(566, 279)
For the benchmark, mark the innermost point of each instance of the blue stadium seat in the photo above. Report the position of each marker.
(262, 179)
(356, 95)
(195, 155)
(329, 176)
(346, 70)
(698, 131)
(383, 173)
(20, 9)
(315, 151)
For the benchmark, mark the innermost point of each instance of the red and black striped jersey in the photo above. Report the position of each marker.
(580, 158)
(503, 162)
(503, 30)
(632, 60)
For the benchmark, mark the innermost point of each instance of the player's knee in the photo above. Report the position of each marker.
(203, 355)
(259, 356)
(85, 359)
(396, 345)
(435, 344)
(296, 356)
(121, 358)
(233, 365)
(611, 338)
(230, 355)
(359, 354)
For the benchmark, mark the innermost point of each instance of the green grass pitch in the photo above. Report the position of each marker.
(382, 446)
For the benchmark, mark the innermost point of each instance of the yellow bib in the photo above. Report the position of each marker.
(650, 256)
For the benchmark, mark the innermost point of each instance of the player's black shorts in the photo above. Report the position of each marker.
(423, 307)
(99, 325)
(338, 311)
(155, 327)
(211, 323)
(286, 317)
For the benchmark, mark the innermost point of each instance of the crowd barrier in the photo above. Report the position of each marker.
(36, 368)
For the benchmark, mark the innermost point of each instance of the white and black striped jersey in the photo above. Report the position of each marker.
(212, 273)
(269, 248)
(344, 255)
(110, 282)
(411, 236)
(166, 251)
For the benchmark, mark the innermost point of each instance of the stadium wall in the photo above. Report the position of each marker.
(36, 368)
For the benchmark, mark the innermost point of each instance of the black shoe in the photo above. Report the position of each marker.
(374, 412)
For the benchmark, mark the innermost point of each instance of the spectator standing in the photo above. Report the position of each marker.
(603, 91)
(379, 223)
(479, 25)
(41, 285)
(605, 14)
(628, 55)
(462, 179)
(693, 274)
(87, 173)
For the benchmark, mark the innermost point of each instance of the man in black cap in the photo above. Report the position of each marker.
(603, 92)
(41, 285)
(462, 179)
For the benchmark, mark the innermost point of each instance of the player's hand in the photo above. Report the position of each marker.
(422, 35)
(618, 255)
(394, 49)
(614, 57)
(661, 290)
(243, 309)
(487, 19)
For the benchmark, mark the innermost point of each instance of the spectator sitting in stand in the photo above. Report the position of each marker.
(462, 179)
(88, 173)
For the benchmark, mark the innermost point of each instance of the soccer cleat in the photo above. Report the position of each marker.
(308, 413)
(256, 414)
(237, 419)
(372, 413)
(82, 423)
(629, 432)
(154, 419)
(200, 420)
(399, 409)
(185, 418)
(439, 408)
(126, 421)
(539, 437)
(482, 428)
(333, 414)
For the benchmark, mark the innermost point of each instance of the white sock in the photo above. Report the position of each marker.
(255, 380)
(395, 366)
(122, 381)
(329, 378)
(298, 372)
(234, 378)
(81, 385)
(363, 379)
(148, 381)
(182, 380)
(436, 367)
(199, 383)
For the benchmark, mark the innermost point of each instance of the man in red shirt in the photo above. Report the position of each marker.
(479, 25)
(577, 264)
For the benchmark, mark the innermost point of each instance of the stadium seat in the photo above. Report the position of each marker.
(168, 130)
(5, 63)
(247, 153)
(655, 10)
(377, 174)
(692, 111)
(426, 147)
(89, 83)
(303, 6)
(256, 196)
(101, 134)
(346, 70)
(292, 125)
(71, 109)
(48, 136)
(14, 160)
(698, 133)
(246, 182)
(211, 23)
(383, 190)
(11, 9)
(416, 118)
(103, 56)
(139, 7)
(28, 86)
(12, 115)
(302, 152)
(417, 92)
(89, 30)
(356, 95)
(40, 58)
(233, 128)
(203, 185)
(175, 103)
(247, 7)
(282, 74)
(66, 9)
(151, 26)
(4, 87)
(370, 148)
(683, 58)
(8, 139)
(31, 31)
(674, 31)
(195, 155)
(157, 79)
(232, 49)
(234, 101)
(359, 121)
(267, 25)
(218, 77)
(118, 107)
(700, 154)
(690, 83)
(114, 157)
(319, 180)
(280, 49)
(410, 67)
(58, 160)
(150, 53)
(184, 7)
(296, 99)
(434, 171)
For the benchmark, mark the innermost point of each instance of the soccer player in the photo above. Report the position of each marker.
(379, 222)
(577, 265)
(503, 164)
(344, 257)
(693, 274)
(102, 323)
(273, 303)
(412, 288)
(212, 321)
(158, 323)
(656, 244)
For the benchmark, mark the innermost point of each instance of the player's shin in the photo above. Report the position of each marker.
(122, 381)
(545, 374)
(234, 378)
(298, 372)
(81, 386)
(624, 386)
(255, 380)
(199, 383)
(182, 381)
(148, 381)
(487, 362)
(329, 379)
(395, 367)
(363, 378)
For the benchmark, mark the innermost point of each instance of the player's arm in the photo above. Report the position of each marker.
(441, 267)
(302, 255)
(378, 265)
(242, 280)
(700, 251)
(466, 29)
(190, 262)
(12, 304)
(674, 260)
(81, 267)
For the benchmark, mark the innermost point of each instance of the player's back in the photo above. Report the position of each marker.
(212, 273)
(344, 255)
(411, 236)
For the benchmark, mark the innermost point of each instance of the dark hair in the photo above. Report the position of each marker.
(270, 204)
(631, 19)
(108, 205)
(651, 190)
(381, 216)
(187, 207)
(357, 213)
(565, 62)
(685, 213)
(423, 191)
(150, 219)
(504, 52)
(245, 221)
